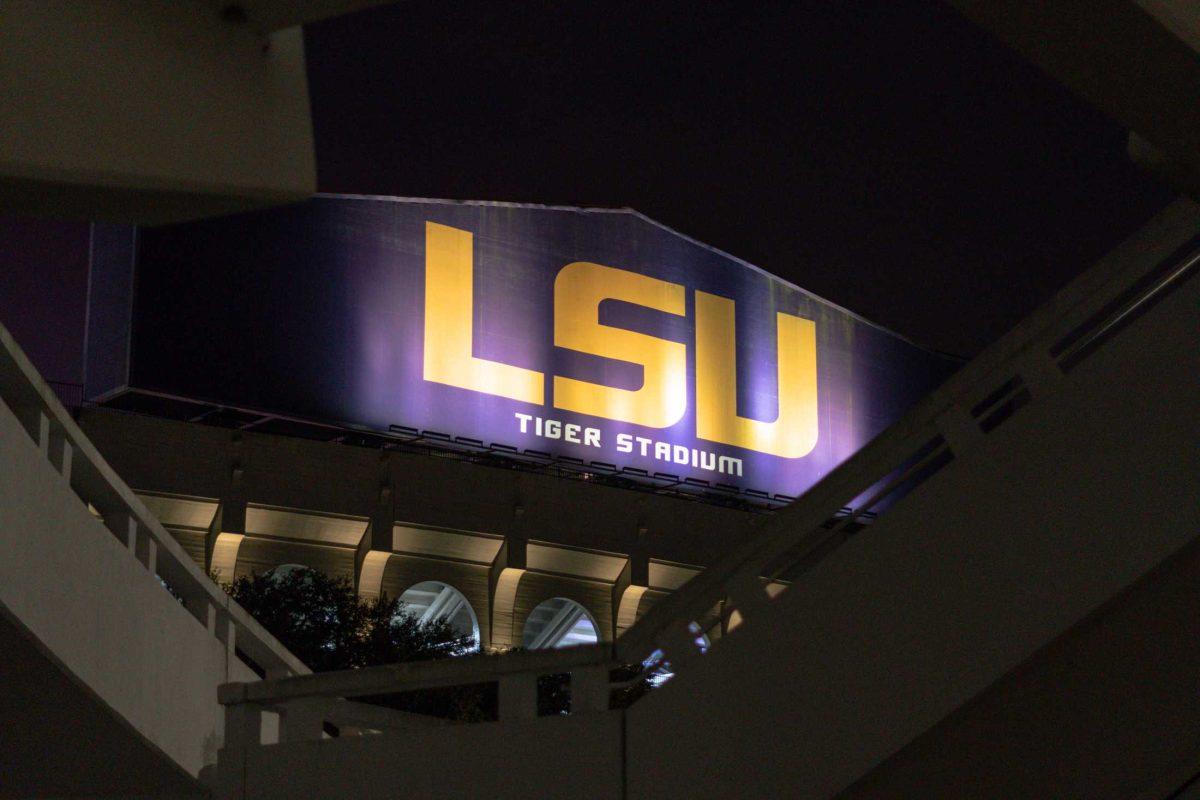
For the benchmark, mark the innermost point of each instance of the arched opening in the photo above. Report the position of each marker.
(557, 623)
(284, 571)
(433, 601)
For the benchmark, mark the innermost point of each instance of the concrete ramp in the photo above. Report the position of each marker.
(112, 641)
(61, 740)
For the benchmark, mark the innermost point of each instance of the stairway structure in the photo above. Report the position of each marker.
(113, 641)
(1019, 560)
(1046, 493)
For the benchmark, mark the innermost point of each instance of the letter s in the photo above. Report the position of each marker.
(578, 291)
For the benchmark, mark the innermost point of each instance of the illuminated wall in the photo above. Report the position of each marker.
(597, 335)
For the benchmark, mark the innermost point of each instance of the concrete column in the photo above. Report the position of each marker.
(228, 527)
(747, 598)
(303, 720)
(230, 640)
(243, 726)
(61, 453)
(39, 426)
(959, 430)
(375, 547)
(148, 553)
(506, 572)
(627, 592)
(243, 729)
(124, 526)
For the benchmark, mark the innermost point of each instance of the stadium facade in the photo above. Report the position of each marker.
(1020, 624)
(534, 421)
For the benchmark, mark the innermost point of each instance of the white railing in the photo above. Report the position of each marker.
(1021, 368)
(99, 488)
(306, 703)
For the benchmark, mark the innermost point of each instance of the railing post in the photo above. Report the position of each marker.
(43, 431)
(303, 719)
(61, 452)
(243, 725)
(124, 526)
(230, 640)
(518, 697)
(243, 729)
(1040, 372)
(747, 594)
(589, 689)
(958, 429)
(151, 555)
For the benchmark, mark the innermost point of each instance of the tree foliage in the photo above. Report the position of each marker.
(326, 625)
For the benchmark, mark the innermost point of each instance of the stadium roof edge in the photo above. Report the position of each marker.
(634, 212)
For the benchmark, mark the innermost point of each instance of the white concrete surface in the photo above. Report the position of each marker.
(1025, 533)
(89, 624)
(147, 111)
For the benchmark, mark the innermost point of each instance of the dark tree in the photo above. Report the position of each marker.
(324, 623)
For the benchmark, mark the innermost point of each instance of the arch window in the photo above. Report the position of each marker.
(558, 623)
(433, 601)
(283, 571)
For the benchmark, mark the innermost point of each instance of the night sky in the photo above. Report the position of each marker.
(885, 155)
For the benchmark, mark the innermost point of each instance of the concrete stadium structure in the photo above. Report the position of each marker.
(994, 598)
(1044, 531)
(1045, 526)
(241, 502)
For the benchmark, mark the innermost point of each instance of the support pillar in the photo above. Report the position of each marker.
(627, 592)
(375, 547)
(228, 527)
(505, 575)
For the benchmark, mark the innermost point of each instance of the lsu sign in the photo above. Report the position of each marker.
(661, 401)
(595, 335)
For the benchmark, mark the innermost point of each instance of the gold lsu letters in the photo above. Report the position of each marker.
(661, 401)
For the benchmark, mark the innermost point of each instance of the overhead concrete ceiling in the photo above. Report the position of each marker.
(274, 15)
(1136, 60)
(1180, 17)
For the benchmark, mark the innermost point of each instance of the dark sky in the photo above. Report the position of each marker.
(885, 155)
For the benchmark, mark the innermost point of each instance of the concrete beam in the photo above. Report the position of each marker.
(375, 545)
(627, 592)
(149, 112)
(228, 527)
(1115, 54)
